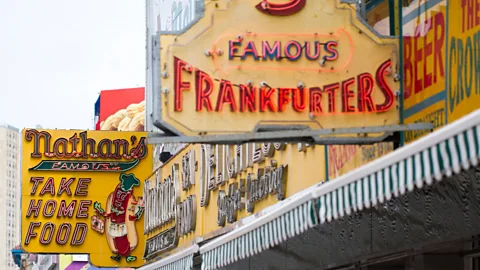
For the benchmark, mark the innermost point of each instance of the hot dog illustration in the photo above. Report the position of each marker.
(121, 213)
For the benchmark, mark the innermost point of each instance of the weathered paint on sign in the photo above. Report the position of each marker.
(82, 193)
(345, 158)
(463, 66)
(222, 71)
(227, 184)
(425, 62)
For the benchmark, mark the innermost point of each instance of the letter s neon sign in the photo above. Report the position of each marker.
(285, 9)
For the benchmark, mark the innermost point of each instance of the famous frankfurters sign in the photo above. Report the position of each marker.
(82, 193)
(206, 190)
(246, 64)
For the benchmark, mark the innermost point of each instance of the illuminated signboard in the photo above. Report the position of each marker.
(463, 66)
(425, 62)
(82, 193)
(251, 64)
(205, 190)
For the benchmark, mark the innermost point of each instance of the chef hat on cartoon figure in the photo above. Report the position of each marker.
(129, 181)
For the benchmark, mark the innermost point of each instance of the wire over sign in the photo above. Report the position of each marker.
(285, 9)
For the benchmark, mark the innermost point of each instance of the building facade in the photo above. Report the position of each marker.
(9, 195)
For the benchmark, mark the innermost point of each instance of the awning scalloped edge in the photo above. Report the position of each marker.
(442, 153)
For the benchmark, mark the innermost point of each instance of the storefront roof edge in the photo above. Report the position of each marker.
(181, 260)
(435, 138)
(442, 153)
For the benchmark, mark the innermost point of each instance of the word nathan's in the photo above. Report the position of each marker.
(80, 146)
(59, 209)
(356, 93)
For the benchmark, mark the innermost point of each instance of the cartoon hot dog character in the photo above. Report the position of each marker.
(121, 213)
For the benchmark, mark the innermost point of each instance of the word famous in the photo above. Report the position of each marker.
(291, 50)
(58, 209)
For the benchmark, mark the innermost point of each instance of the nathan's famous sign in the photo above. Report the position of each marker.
(205, 190)
(311, 63)
(82, 193)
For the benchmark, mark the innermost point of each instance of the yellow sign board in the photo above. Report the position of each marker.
(246, 64)
(425, 63)
(463, 66)
(82, 193)
(205, 190)
(345, 158)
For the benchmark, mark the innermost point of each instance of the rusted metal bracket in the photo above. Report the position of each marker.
(290, 134)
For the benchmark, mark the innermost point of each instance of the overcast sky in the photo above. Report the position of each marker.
(56, 56)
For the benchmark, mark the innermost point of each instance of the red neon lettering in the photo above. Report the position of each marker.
(232, 48)
(48, 226)
(298, 48)
(271, 52)
(251, 49)
(82, 187)
(34, 208)
(365, 88)
(64, 230)
(283, 98)
(36, 181)
(65, 186)
(53, 206)
(30, 233)
(298, 103)
(82, 211)
(329, 47)
(347, 94)
(64, 211)
(308, 49)
(78, 238)
(383, 85)
(226, 96)
(49, 186)
(316, 100)
(330, 90)
(179, 85)
(247, 98)
(266, 99)
(204, 88)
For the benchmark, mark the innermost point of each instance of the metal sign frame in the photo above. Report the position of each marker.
(360, 135)
(166, 133)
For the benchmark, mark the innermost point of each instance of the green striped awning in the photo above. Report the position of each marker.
(275, 225)
(179, 261)
(442, 153)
